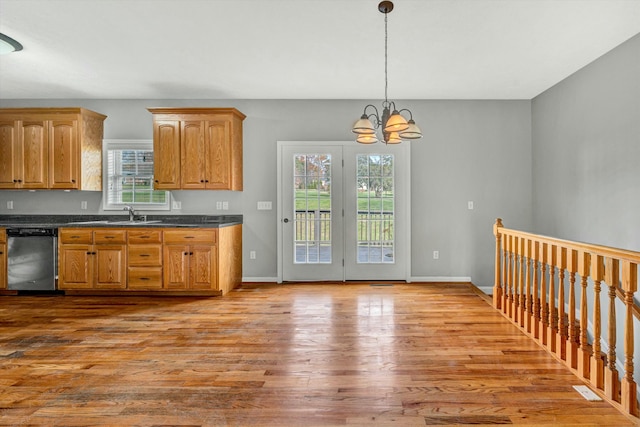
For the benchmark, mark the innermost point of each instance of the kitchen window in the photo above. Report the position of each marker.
(128, 176)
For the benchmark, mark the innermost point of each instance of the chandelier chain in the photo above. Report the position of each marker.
(386, 99)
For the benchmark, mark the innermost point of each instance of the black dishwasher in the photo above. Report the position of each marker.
(32, 261)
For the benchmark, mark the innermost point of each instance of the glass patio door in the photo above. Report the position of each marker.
(343, 212)
(312, 213)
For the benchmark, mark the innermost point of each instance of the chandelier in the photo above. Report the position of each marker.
(395, 128)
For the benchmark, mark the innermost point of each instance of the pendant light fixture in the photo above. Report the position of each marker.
(395, 128)
(8, 45)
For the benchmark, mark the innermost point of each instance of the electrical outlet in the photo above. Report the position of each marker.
(219, 206)
(83, 205)
(252, 255)
(225, 206)
(436, 254)
(264, 206)
(177, 204)
(9, 204)
(470, 205)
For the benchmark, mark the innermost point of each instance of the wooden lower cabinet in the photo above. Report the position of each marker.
(92, 259)
(3, 258)
(144, 271)
(203, 260)
(190, 260)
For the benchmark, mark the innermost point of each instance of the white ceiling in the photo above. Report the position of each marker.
(303, 49)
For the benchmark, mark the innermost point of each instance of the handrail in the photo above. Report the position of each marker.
(532, 289)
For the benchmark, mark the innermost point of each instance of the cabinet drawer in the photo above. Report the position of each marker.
(145, 236)
(145, 278)
(76, 235)
(145, 255)
(110, 236)
(186, 237)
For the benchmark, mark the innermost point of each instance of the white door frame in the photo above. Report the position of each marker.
(279, 199)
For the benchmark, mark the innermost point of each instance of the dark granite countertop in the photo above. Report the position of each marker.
(192, 221)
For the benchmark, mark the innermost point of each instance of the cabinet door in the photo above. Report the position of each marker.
(175, 265)
(76, 267)
(202, 267)
(34, 146)
(9, 154)
(3, 265)
(192, 155)
(111, 266)
(218, 154)
(63, 154)
(166, 154)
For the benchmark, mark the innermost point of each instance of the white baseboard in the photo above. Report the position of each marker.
(447, 279)
(260, 280)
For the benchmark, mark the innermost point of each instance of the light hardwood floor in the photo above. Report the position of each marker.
(281, 355)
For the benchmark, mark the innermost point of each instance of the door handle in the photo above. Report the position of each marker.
(286, 220)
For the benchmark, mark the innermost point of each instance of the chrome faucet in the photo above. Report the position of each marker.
(132, 213)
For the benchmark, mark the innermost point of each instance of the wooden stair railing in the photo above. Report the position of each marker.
(536, 288)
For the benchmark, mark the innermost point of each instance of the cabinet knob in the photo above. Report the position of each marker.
(190, 253)
(73, 180)
(155, 180)
(202, 180)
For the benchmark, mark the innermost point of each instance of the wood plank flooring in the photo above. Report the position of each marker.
(281, 355)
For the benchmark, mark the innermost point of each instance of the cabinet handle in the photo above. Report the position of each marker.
(189, 237)
(109, 237)
(145, 278)
(145, 237)
(145, 255)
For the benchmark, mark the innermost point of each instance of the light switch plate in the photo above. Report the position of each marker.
(264, 206)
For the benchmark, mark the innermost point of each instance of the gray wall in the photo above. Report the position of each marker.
(476, 151)
(586, 152)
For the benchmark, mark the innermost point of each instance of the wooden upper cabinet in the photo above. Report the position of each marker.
(166, 154)
(192, 155)
(51, 148)
(10, 157)
(208, 144)
(33, 144)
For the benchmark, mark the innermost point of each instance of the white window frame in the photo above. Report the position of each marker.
(126, 144)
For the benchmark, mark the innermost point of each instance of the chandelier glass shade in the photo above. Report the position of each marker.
(394, 126)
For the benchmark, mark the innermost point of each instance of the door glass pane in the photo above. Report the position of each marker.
(375, 199)
(312, 204)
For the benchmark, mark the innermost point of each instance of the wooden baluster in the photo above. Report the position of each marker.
(544, 310)
(529, 298)
(515, 298)
(597, 361)
(629, 286)
(572, 345)
(583, 352)
(536, 298)
(509, 302)
(611, 377)
(561, 333)
(523, 296)
(505, 272)
(552, 322)
(497, 283)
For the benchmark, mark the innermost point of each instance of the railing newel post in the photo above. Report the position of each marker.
(497, 288)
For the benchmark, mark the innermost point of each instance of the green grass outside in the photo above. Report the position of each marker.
(313, 200)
